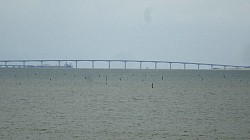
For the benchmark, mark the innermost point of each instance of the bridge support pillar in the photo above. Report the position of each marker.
(155, 65)
(184, 66)
(24, 64)
(41, 63)
(93, 64)
(224, 67)
(170, 65)
(198, 66)
(59, 63)
(109, 64)
(140, 65)
(211, 67)
(125, 64)
(76, 64)
(6, 64)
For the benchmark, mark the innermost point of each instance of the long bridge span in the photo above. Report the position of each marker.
(23, 63)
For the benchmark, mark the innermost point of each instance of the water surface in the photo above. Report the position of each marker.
(124, 104)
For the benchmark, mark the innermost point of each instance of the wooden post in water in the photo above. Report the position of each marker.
(106, 79)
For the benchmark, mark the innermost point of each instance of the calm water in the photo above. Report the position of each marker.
(124, 104)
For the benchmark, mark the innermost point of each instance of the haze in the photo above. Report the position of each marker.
(208, 31)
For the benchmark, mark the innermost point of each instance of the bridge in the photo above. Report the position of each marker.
(23, 63)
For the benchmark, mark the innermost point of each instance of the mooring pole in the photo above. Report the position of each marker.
(109, 64)
(59, 63)
(155, 65)
(198, 66)
(170, 65)
(184, 66)
(140, 65)
(125, 64)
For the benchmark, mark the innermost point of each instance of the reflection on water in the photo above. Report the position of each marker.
(122, 104)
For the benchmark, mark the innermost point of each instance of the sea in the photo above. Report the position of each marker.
(119, 104)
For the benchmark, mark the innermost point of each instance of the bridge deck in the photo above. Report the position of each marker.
(22, 63)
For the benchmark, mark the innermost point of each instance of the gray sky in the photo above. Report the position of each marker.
(210, 31)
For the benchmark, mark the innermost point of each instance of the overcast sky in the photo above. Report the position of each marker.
(209, 31)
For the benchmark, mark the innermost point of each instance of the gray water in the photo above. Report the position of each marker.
(124, 104)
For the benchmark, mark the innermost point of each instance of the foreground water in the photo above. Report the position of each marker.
(124, 104)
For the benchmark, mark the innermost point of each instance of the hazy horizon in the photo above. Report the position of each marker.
(168, 30)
